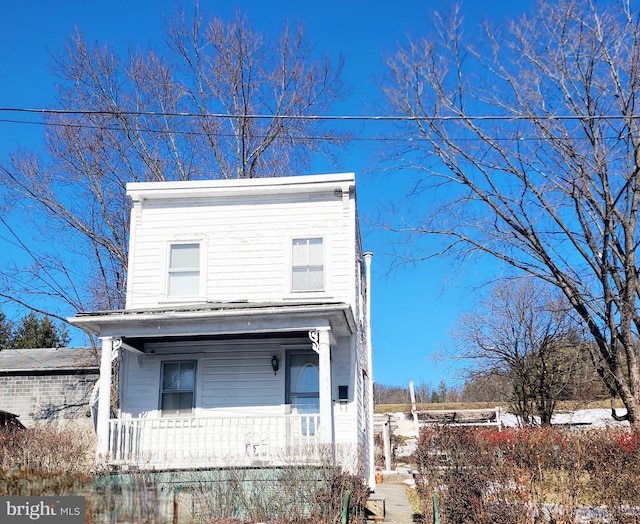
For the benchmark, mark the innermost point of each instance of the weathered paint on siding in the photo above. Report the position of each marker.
(246, 235)
(140, 385)
(248, 247)
(234, 380)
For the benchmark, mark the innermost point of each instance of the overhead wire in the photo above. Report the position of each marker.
(380, 118)
(344, 118)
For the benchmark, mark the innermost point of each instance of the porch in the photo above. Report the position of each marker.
(200, 442)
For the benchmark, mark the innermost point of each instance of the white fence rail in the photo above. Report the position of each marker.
(213, 441)
(462, 417)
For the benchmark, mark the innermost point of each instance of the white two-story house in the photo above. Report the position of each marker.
(246, 335)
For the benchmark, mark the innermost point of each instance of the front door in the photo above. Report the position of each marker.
(304, 388)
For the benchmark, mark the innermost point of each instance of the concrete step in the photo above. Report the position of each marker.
(397, 476)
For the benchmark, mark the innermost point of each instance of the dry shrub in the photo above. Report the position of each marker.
(310, 487)
(484, 475)
(296, 494)
(45, 461)
(472, 481)
(613, 465)
(358, 492)
(46, 449)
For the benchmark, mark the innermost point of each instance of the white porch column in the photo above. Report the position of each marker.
(369, 369)
(322, 346)
(104, 399)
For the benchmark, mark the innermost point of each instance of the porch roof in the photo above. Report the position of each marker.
(222, 318)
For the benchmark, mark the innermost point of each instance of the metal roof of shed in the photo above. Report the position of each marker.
(42, 359)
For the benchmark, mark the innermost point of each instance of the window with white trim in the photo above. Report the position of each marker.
(184, 270)
(307, 264)
(178, 385)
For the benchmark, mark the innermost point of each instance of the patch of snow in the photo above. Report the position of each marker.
(596, 418)
(408, 448)
(589, 418)
(592, 418)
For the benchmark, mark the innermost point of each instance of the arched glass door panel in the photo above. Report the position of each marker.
(304, 388)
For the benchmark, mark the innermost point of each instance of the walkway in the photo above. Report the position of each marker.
(397, 506)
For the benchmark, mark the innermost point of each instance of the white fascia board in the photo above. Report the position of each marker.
(126, 323)
(243, 186)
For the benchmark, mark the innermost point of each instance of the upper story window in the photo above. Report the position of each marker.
(307, 265)
(184, 270)
(178, 382)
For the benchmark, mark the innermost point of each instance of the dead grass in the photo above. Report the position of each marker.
(406, 408)
(562, 406)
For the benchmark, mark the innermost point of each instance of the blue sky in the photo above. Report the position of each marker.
(413, 306)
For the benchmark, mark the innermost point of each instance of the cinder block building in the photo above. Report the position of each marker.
(49, 384)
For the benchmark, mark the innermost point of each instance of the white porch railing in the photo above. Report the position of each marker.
(213, 441)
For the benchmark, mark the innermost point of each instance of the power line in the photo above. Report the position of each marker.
(110, 112)
(400, 138)
(326, 138)
(184, 132)
(381, 118)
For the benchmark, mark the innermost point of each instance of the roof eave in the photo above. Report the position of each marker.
(152, 323)
(211, 188)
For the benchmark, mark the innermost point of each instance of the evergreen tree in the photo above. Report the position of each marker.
(35, 331)
(439, 396)
(6, 327)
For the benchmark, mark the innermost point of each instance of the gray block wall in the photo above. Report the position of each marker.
(48, 397)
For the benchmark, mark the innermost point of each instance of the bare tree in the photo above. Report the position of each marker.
(488, 385)
(525, 334)
(423, 392)
(530, 135)
(221, 100)
(385, 394)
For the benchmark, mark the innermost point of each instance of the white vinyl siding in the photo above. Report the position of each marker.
(235, 381)
(242, 382)
(246, 250)
(237, 241)
(233, 378)
(307, 264)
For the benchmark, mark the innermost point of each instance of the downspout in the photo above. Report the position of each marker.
(367, 261)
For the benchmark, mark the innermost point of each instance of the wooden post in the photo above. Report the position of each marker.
(386, 438)
(414, 411)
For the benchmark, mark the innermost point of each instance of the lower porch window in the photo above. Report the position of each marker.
(178, 381)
